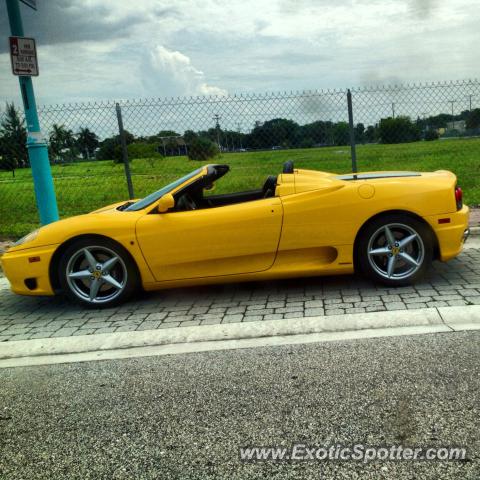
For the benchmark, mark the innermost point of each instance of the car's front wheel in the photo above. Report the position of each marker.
(395, 250)
(97, 273)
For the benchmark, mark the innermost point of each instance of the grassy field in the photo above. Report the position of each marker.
(85, 186)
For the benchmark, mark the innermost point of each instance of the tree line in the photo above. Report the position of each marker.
(285, 133)
(65, 146)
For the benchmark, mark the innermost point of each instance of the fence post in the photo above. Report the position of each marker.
(352, 132)
(123, 141)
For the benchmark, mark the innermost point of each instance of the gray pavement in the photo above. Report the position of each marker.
(185, 416)
(456, 283)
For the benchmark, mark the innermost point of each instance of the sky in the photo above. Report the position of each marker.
(119, 49)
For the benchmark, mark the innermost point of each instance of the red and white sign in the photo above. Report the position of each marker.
(23, 54)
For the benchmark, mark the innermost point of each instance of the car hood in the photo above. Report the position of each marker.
(106, 222)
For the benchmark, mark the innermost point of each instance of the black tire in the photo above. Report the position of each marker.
(389, 260)
(89, 275)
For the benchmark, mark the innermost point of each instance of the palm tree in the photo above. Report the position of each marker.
(60, 139)
(13, 140)
(87, 142)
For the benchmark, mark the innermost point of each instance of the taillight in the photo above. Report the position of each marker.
(459, 197)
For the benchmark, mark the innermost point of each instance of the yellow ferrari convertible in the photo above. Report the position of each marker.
(387, 225)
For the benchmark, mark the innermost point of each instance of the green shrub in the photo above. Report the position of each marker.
(117, 154)
(431, 135)
(202, 148)
(306, 143)
(398, 130)
(143, 150)
(110, 148)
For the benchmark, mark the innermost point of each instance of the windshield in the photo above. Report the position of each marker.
(153, 197)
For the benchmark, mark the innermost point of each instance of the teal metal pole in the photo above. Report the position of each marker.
(36, 144)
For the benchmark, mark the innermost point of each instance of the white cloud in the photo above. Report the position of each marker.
(172, 72)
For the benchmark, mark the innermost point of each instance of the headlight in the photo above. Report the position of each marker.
(27, 238)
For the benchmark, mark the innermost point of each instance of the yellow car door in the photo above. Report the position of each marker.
(225, 240)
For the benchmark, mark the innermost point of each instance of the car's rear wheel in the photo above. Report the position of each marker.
(98, 273)
(395, 249)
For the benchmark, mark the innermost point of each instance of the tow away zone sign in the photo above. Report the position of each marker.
(23, 54)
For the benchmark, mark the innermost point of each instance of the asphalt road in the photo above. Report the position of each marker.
(185, 416)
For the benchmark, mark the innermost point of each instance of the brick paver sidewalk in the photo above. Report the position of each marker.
(454, 283)
(475, 217)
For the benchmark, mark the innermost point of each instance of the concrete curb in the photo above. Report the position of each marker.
(90, 347)
(474, 231)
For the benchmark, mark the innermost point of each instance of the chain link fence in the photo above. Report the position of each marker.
(421, 127)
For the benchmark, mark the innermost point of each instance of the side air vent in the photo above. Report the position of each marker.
(31, 283)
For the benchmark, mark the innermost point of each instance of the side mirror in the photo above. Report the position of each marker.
(166, 203)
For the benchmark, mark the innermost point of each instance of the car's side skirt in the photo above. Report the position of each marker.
(309, 262)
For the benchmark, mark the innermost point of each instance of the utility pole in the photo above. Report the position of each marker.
(36, 144)
(453, 117)
(239, 129)
(393, 109)
(470, 100)
(217, 119)
(425, 126)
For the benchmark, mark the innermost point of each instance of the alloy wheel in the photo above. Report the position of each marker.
(96, 274)
(396, 251)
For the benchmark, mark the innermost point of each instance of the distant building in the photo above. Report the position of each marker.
(458, 125)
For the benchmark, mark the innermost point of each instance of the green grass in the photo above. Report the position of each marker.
(85, 186)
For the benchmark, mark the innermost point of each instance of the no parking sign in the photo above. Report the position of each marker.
(23, 54)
